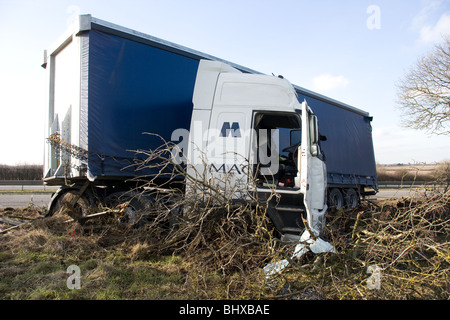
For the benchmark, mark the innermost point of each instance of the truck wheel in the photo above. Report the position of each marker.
(335, 198)
(351, 199)
(130, 212)
(63, 205)
(133, 207)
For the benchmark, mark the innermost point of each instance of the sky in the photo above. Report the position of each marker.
(354, 51)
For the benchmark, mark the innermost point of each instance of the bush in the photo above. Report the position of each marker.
(386, 250)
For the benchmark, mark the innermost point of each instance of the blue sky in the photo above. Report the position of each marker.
(351, 50)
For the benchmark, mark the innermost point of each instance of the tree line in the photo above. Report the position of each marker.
(21, 172)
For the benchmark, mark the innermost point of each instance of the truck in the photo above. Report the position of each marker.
(108, 85)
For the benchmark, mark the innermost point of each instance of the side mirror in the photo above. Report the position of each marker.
(313, 129)
(322, 138)
(314, 135)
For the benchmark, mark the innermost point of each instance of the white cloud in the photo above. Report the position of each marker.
(326, 82)
(393, 144)
(428, 9)
(432, 34)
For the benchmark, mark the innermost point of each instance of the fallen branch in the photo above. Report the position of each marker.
(6, 230)
(94, 215)
(11, 222)
(20, 224)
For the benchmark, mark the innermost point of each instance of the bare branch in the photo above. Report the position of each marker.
(424, 92)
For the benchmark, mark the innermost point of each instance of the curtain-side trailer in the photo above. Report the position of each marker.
(108, 85)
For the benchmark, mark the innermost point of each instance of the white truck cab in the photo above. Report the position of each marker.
(250, 125)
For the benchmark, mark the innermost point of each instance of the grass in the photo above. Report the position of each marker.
(34, 261)
(28, 275)
(409, 240)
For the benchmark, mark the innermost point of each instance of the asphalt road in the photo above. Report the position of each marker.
(42, 200)
(397, 193)
(23, 200)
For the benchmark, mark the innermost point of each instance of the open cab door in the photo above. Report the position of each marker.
(313, 182)
(312, 172)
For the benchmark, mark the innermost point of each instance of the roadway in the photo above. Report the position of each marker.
(22, 195)
(39, 199)
(397, 193)
(17, 201)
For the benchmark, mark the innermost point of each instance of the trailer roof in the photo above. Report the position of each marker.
(87, 22)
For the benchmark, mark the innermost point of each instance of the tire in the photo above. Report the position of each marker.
(136, 206)
(335, 198)
(351, 199)
(63, 205)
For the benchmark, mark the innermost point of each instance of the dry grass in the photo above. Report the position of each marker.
(408, 242)
(34, 259)
(438, 173)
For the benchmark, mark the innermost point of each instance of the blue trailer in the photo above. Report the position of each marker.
(108, 85)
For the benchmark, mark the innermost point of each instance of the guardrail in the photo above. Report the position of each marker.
(381, 184)
(21, 183)
(408, 184)
(24, 184)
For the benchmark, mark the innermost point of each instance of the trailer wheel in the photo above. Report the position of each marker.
(351, 199)
(335, 198)
(63, 205)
